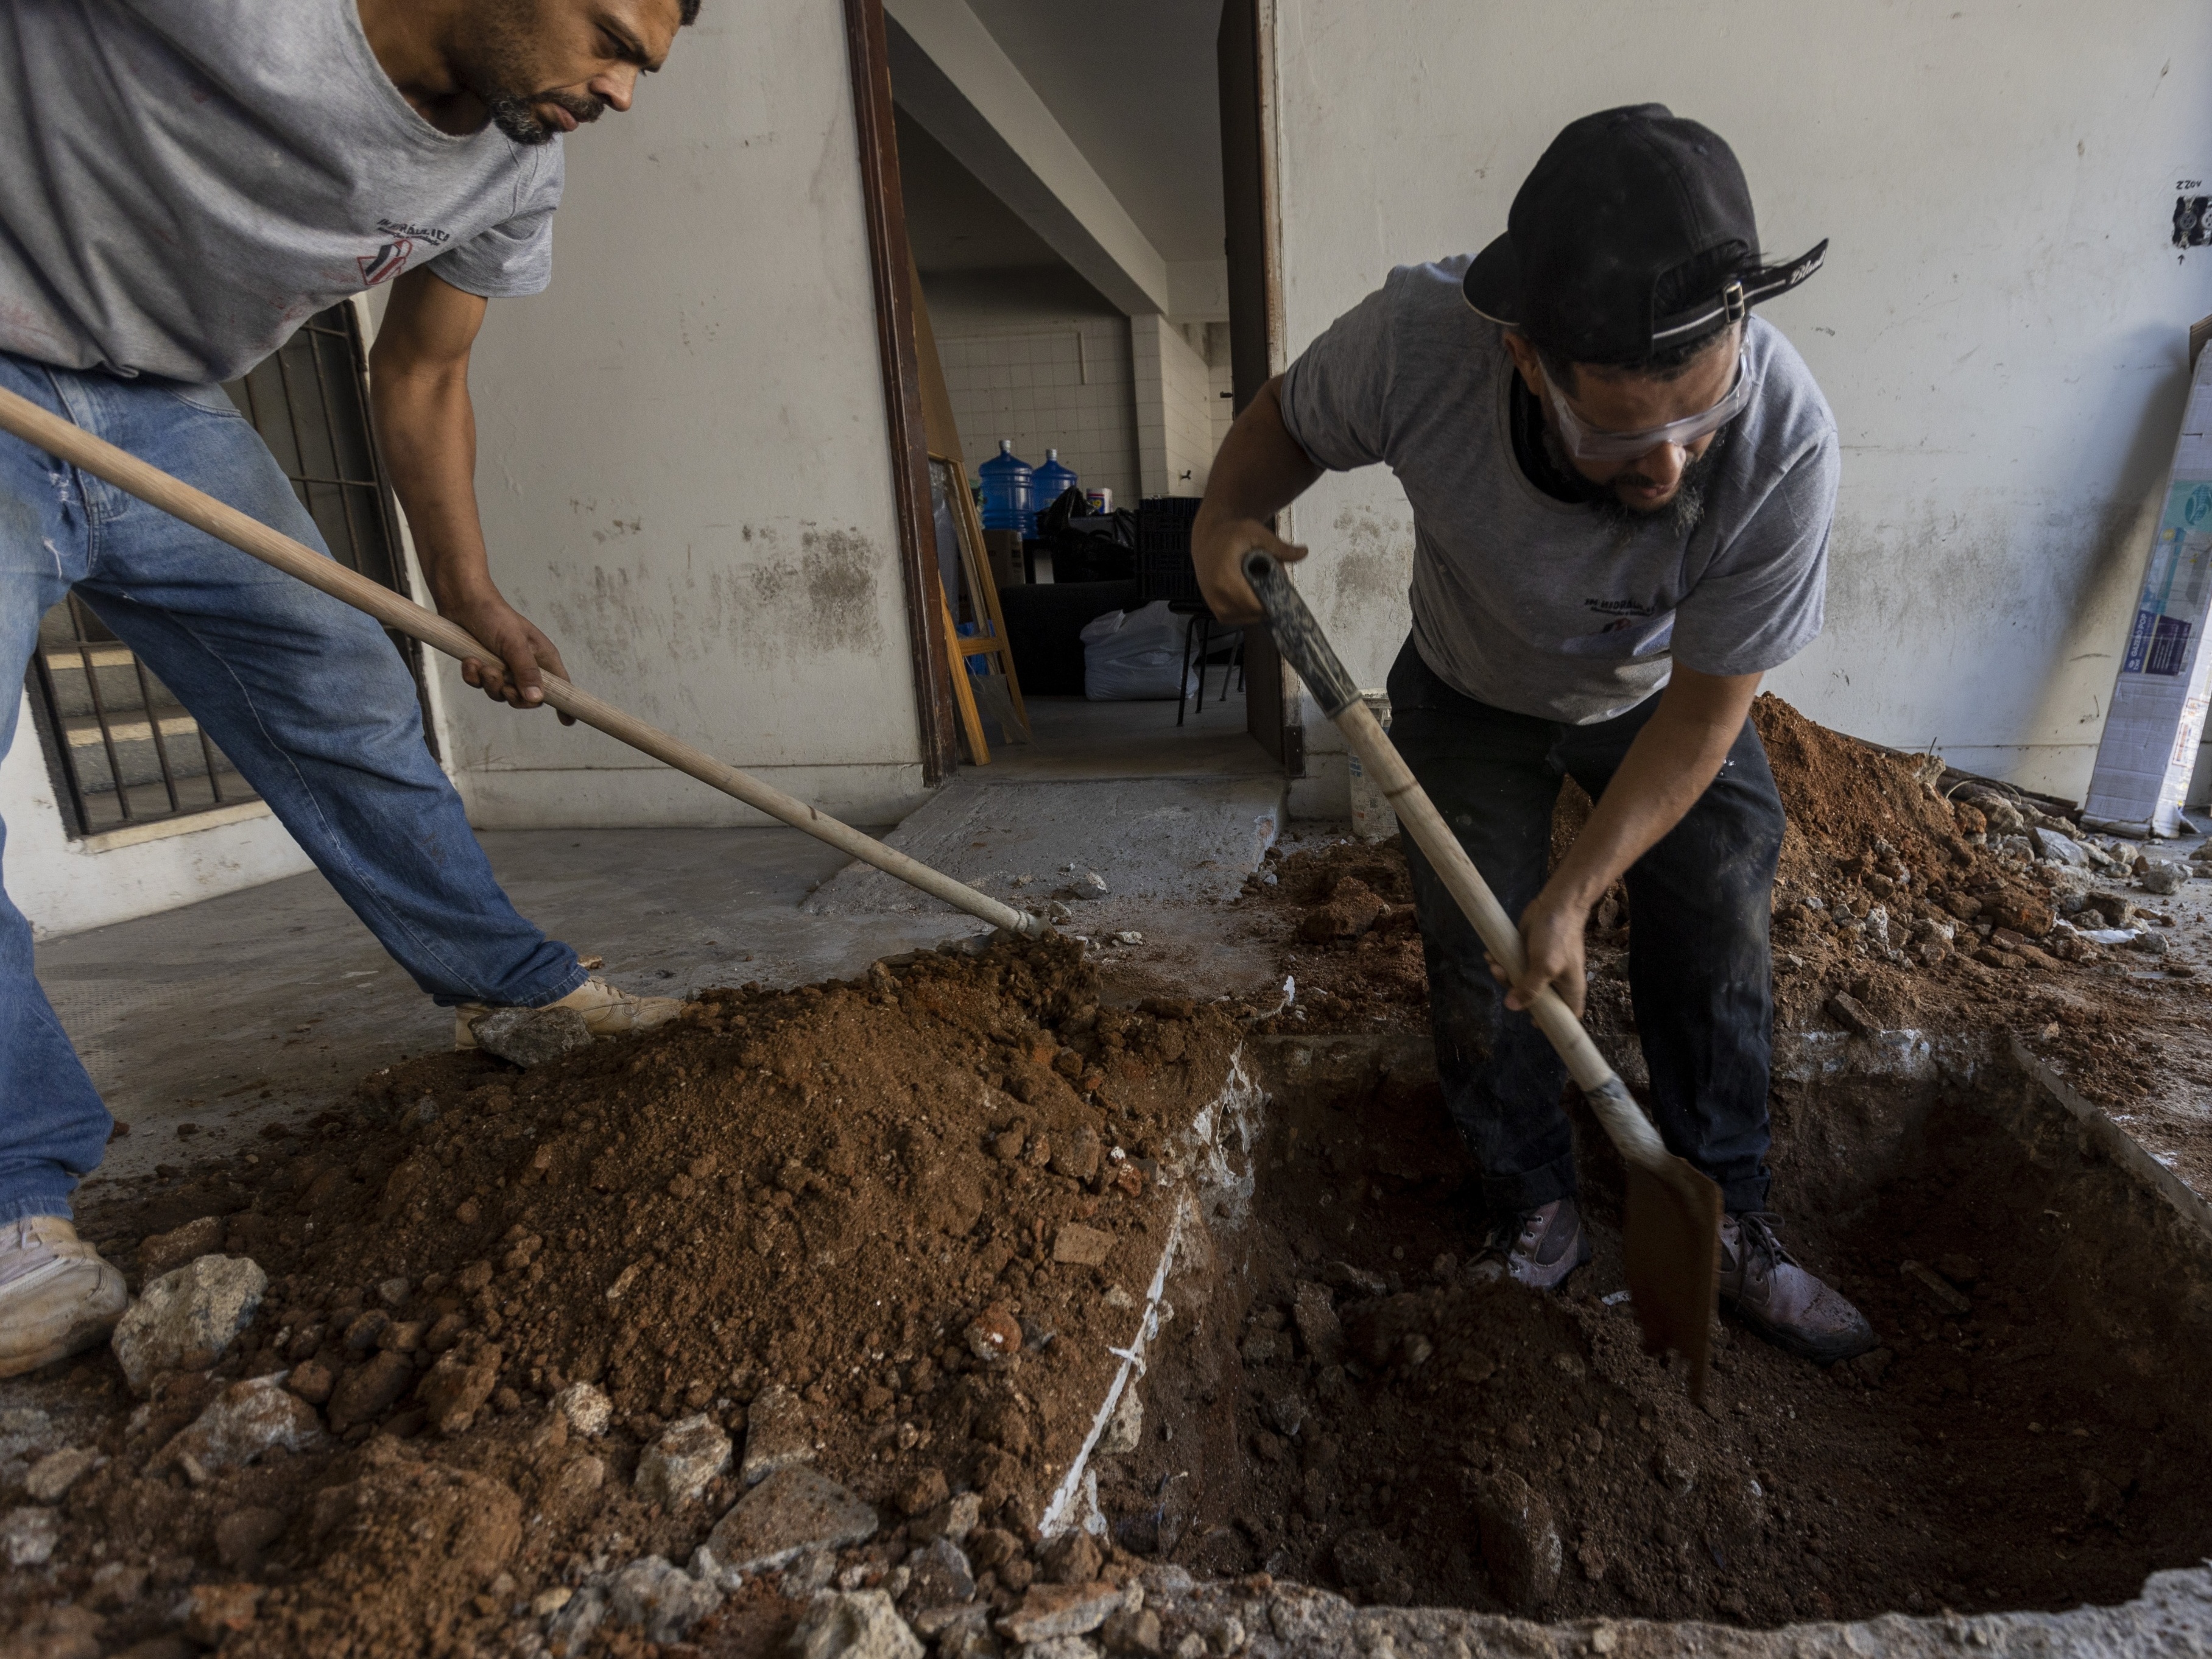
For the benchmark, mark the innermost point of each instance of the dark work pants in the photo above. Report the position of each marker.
(1699, 971)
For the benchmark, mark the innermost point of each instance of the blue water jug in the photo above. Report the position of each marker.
(1009, 500)
(1052, 480)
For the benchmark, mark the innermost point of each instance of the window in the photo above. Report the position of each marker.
(121, 749)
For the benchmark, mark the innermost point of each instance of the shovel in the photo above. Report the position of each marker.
(66, 442)
(1672, 1240)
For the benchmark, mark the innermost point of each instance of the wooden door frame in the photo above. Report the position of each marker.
(1244, 52)
(890, 262)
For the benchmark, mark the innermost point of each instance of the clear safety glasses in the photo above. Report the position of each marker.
(1586, 443)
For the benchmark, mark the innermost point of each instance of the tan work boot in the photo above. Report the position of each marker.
(1780, 1300)
(57, 1296)
(607, 1011)
(1538, 1248)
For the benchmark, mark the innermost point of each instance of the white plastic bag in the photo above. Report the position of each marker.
(1133, 656)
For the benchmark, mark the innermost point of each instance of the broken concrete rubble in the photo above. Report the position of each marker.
(187, 1318)
(793, 1510)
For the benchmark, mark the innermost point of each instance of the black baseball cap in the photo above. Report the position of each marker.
(1634, 234)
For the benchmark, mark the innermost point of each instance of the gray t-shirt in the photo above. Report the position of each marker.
(187, 181)
(1542, 607)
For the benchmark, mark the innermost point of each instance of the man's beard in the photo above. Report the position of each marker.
(1680, 513)
(499, 69)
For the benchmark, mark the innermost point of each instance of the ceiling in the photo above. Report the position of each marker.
(953, 222)
(1134, 83)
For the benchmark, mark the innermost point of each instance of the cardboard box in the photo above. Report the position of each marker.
(1004, 550)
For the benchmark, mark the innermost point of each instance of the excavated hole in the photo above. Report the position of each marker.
(1498, 1450)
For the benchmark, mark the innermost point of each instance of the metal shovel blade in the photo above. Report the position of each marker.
(1671, 1243)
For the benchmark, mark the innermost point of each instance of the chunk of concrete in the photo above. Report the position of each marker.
(532, 1036)
(1054, 1610)
(955, 1518)
(676, 1469)
(939, 1575)
(186, 1319)
(2053, 847)
(27, 1536)
(659, 1599)
(794, 1509)
(245, 1421)
(1125, 1430)
(777, 1434)
(52, 1475)
(586, 1409)
(855, 1624)
(1522, 1549)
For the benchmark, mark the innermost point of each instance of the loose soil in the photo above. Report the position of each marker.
(1887, 859)
(2042, 1448)
(821, 1189)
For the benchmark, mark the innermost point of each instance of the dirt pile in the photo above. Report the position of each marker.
(1894, 905)
(799, 1206)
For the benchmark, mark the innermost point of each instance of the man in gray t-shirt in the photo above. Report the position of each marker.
(1622, 484)
(185, 183)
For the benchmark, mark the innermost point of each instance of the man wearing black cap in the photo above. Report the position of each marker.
(1622, 484)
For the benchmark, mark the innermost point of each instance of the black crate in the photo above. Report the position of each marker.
(1165, 570)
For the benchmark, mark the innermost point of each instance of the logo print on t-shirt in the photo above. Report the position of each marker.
(386, 262)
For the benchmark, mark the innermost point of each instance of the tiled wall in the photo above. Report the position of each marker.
(1175, 424)
(1220, 383)
(1067, 386)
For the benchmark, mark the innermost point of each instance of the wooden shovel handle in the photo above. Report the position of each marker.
(62, 439)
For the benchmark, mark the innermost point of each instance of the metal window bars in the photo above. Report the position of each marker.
(121, 749)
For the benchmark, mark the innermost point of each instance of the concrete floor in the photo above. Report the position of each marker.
(200, 1024)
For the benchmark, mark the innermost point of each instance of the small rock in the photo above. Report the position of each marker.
(166, 1251)
(1063, 1647)
(27, 1536)
(923, 1490)
(214, 1612)
(1265, 1347)
(1076, 1154)
(550, 1600)
(1134, 1633)
(1961, 1270)
(994, 1334)
(312, 1381)
(453, 1390)
(586, 1409)
(185, 1320)
(368, 1390)
(242, 1536)
(1051, 1610)
(532, 1036)
(2150, 944)
(1676, 1473)
(1521, 1550)
(1315, 1315)
(1082, 1246)
(938, 1574)
(2053, 847)
(955, 1518)
(662, 1601)
(52, 1475)
(575, 1621)
(676, 1469)
(1848, 1011)
(1125, 1430)
(245, 1421)
(2162, 876)
(811, 1569)
(1071, 1558)
(853, 1625)
(117, 1584)
(777, 1435)
(1939, 1290)
(793, 1508)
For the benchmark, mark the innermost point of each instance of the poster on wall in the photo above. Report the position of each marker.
(2148, 751)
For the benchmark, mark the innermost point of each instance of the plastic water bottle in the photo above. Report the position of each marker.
(1009, 500)
(1052, 480)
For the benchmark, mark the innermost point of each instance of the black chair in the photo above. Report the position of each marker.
(1165, 571)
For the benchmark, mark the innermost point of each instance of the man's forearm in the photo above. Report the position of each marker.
(1671, 763)
(427, 428)
(1261, 469)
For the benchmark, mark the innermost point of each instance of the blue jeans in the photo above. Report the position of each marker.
(1699, 972)
(304, 693)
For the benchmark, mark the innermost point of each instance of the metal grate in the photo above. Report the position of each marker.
(123, 750)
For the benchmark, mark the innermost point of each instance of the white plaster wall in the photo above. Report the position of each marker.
(683, 462)
(2000, 327)
(1175, 427)
(65, 887)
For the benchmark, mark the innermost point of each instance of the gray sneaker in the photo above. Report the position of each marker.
(1780, 1299)
(1538, 1248)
